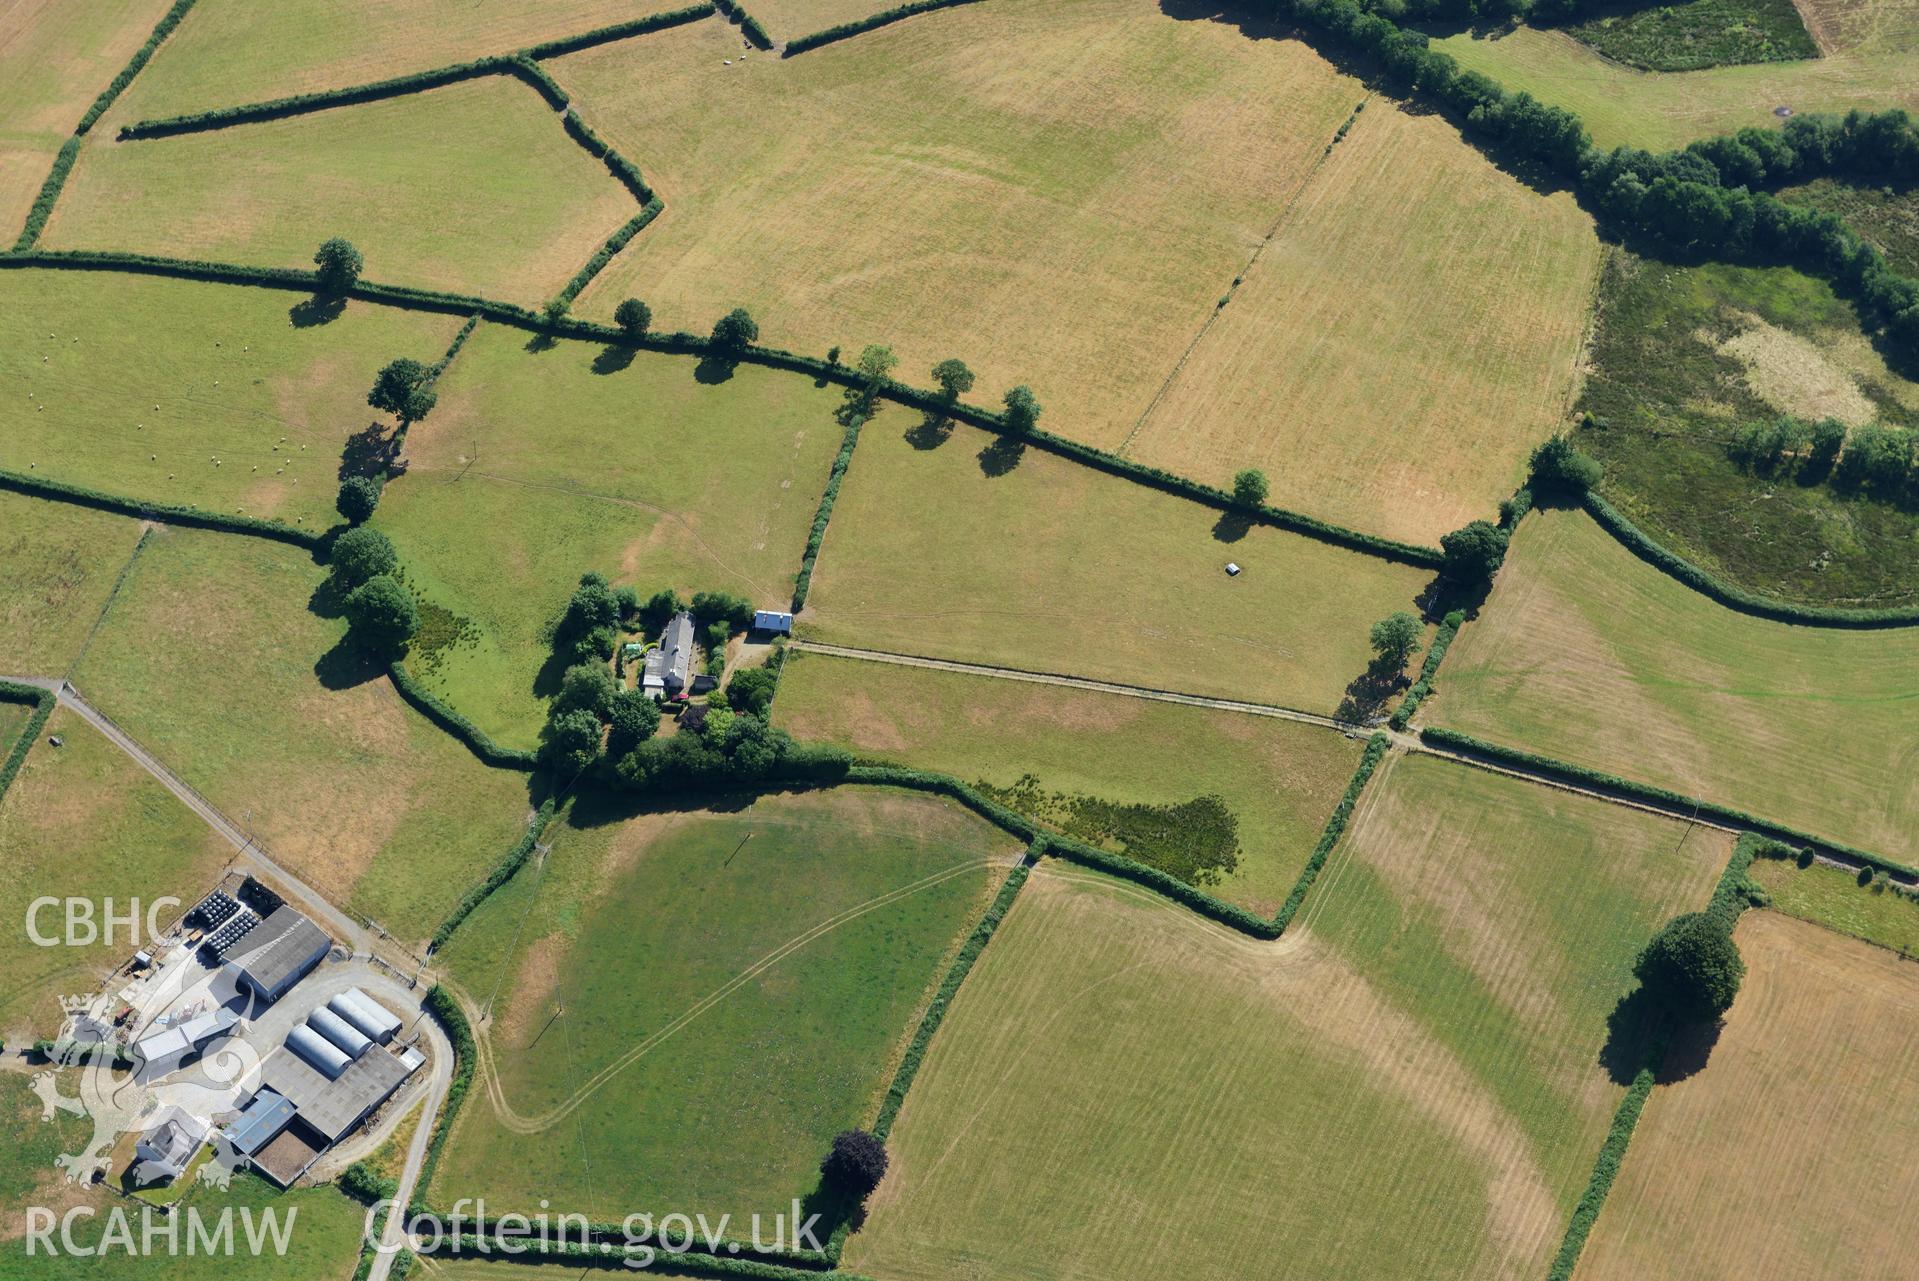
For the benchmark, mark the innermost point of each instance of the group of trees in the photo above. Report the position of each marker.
(380, 611)
(1877, 461)
(403, 388)
(592, 716)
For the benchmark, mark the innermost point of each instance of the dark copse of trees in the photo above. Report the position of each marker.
(586, 629)
(1022, 409)
(1474, 553)
(359, 496)
(722, 607)
(405, 388)
(570, 742)
(587, 687)
(730, 749)
(856, 1163)
(1878, 462)
(634, 316)
(659, 607)
(382, 616)
(735, 331)
(337, 266)
(751, 691)
(633, 718)
(1692, 967)
(1558, 468)
(361, 554)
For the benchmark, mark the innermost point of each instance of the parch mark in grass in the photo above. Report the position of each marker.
(1196, 841)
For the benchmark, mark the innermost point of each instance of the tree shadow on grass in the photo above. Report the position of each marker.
(1231, 526)
(541, 342)
(599, 806)
(931, 431)
(321, 309)
(1001, 455)
(713, 370)
(348, 664)
(1365, 698)
(613, 358)
(368, 452)
(1639, 1027)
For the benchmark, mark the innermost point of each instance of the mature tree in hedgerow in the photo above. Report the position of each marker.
(1395, 637)
(587, 687)
(360, 554)
(1250, 487)
(1022, 409)
(404, 387)
(633, 316)
(359, 495)
(382, 615)
(954, 378)
(1561, 469)
(856, 1164)
(1692, 966)
(751, 691)
(571, 742)
(634, 718)
(735, 331)
(338, 266)
(1474, 553)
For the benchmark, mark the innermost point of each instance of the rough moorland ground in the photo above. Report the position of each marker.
(955, 546)
(1055, 193)
(736, 986)
(211, 658)
(1682, 359)
(1406, 421)
(1888, 217)
(1785, 1153)
(1587, 654)
(1697, 34)
(57, 565)
(54, 59)
(208, 395)
(83, 820)
(1869, 59)
(541, 464)
(1279, 779)
(509, 210)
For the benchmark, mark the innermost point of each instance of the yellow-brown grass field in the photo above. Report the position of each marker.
(57, 564)
(1789, 1154)
(1587, 654)
(1399, 348)
(474, 188)
(229, 52)
(790, 19)
(1869, 60)
(1055, 567)
(212, 661)
(1279, 778)
(1426, 1041)
(1056, 193)
(55, 58)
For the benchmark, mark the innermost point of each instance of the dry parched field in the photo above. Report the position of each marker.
(1790, 1153)
(1056, 193)
(1055, 567)
(1587, 654)
(57, 564)
(55, 57)
(1399, 348)
(790, 19)
(1405, 1087)
(473, 188)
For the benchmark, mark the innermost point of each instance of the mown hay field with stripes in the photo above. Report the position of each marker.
(684, 1006)
(1424, 1037)
(1589, 655)
(1786, 1151)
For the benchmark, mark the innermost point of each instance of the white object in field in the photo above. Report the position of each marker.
(1232, 570)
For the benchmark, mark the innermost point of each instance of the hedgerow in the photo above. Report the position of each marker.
(846, 29)
(1611, 1153)
(1442, 641)
(1171, 886)
(1335, 827)
(803, 582)
(477, 740)
(618, 31)
(43, 701)
(49, 194)
(508, 867)
(446, 1011)
(614, 1254)
(747, 23)
(322, 99)
(614, 243)
(622, 1236)
(532, 73)
(603, 151)
(141, 56)
(1637, 541)
(946, 785)
(168, 513)
(1658, 796)
(453, 348)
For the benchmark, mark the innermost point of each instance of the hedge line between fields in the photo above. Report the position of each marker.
(618, 31)
(614, 243)
(169, 513)
(506, 870)
(1335, 828)
(141, 57)
(477, 740)
(533, 74)
(1637, 541)
(1659, 796)
(803, 581)
(846, 30)
(453, 348)
(49, 194)
(808, 1262)
(1227, 914)
(1442, 641)
(621, 168)
(746, 22)
(1612, 1153)
(771, 357)
(611, 1255)
(42, 701)
(446, 1011)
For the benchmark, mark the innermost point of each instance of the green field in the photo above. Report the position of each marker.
(1682, 358)
(736, 987)
(1587, 654)
(1869, 59)
(1698, 34)
(540, 465)
(1833, 897)
(510, 210)
(1054, 567)
(231, 404)
(13, 719)
(1199, 1105)
(54, 58)
(57, 564)
(1279, 779)
(84, 820)
(211, 659)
